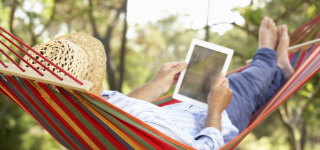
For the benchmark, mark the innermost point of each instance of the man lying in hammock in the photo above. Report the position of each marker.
(231, 101)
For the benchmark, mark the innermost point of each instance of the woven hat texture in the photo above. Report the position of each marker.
(81, 55)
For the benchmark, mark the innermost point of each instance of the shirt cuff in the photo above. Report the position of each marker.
(211, 137)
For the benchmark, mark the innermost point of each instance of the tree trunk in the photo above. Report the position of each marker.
(292, 128)
(303, 135)
(207, 28)
(110, 63)
(111, 67)
(123, 47)
(294, 144)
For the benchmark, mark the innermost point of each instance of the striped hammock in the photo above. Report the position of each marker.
(80, 120)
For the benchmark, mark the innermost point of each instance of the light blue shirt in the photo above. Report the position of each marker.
(182, 121)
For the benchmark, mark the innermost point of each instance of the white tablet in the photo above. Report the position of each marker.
(205, 63)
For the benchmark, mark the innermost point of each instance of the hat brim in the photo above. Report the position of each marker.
(96, 54)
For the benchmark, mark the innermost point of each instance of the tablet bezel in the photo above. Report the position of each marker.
(210, 46)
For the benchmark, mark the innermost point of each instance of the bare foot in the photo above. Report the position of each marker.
(282, 51)
(268, 34)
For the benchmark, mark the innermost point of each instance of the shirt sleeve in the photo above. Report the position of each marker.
(209, 138)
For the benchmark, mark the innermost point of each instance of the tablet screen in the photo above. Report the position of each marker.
(204, 67)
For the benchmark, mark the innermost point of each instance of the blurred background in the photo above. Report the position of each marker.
(140, 35)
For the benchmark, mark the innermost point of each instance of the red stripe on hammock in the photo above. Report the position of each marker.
(113, 124)
(23, 105)
(174, 101)
(72, 117)
(150, 139)
(237, 70)
(290, 56)
(3, 92)
(43, 114)
(12, 94)
(141, 122)
(301, 59)
(52, 111)
(317, 35)
(96, 124)
(57, 115)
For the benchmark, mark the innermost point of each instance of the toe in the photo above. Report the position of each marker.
(283, 37)
(274, 27)
(284, 31)
(280, 29)
(264, 22)
(270, 24)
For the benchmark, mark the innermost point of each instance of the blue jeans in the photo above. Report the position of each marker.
(254, 86)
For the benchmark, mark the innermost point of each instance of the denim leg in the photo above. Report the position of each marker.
(249, 86)
(279, 79)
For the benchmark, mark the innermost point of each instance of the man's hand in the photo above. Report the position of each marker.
(169, 75)
(218, 99)
(220, 95)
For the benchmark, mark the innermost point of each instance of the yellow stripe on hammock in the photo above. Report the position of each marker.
(15, 100)
(64, 115)
(127, 138)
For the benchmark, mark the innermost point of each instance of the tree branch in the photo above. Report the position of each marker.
(123, 48)
(107, 6)
(209, 26)
(288, 110)
(301, 112)
(246, 28)
(287, 12)
(283, 115)
(13, 10)
(29, 26)
(290, 127)
(116, 18)
(314, 93)
(106, 43)
(53, 12)
(92, 21)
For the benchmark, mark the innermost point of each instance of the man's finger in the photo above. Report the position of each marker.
(225, 83)
(219, 80)
(179, 68)
(174, 64)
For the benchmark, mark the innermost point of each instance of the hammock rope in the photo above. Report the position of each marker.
(80, 120)
(304, 30)
(36, 60)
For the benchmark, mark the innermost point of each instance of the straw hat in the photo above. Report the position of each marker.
(81, 55)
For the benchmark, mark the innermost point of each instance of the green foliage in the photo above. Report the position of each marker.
(154, 43)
